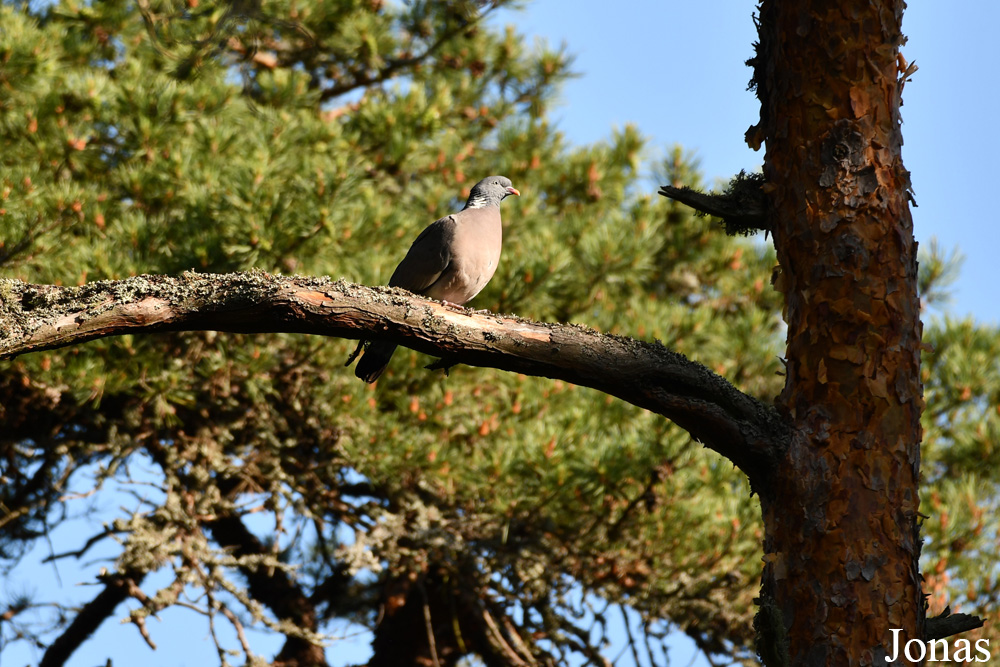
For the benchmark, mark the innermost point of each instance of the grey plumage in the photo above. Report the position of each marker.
(451, 260)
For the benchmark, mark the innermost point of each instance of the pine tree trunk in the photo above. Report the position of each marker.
(842, 544)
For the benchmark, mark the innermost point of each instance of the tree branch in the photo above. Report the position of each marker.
(44, 317)
(273, 588)
(94, 539)
(948, 624)
(741, 206)
(90, 616)
(710, 204)
(392, 66)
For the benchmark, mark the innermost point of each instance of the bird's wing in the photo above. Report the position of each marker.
(427, 258)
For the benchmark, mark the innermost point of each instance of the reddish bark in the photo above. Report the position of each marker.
(841, 516)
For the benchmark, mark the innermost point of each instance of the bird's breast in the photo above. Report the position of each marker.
(470, 270)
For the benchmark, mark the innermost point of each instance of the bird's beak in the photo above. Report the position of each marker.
(513, 191)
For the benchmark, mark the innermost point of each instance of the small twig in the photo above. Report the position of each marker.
(628, 633)
(140, 623)
(279, 530)
(430, 628)
(240, 634)
(500, 642)
(514, 641)
(13, 610)
(190, 606)
(66, 497)
(82, 550)
(212, 606)
(14, 514)
(649, 645)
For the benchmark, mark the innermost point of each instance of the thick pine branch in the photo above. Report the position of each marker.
(43, 317)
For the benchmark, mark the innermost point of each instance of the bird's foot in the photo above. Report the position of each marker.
(357, 351)
(443, 364)
(465, 309)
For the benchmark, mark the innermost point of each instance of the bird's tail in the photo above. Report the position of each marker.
(374, 360)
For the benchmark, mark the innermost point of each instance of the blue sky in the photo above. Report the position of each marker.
(675, 69)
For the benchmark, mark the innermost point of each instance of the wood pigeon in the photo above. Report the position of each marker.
(451, 260)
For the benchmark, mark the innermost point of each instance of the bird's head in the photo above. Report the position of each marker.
(490, 192)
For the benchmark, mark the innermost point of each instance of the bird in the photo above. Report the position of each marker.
(451, 260)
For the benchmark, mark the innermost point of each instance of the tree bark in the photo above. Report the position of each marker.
(841, 536)
(742, 428)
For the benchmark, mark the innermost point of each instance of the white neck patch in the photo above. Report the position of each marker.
(479, 202)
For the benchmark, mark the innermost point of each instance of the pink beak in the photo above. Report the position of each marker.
(513, 191)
